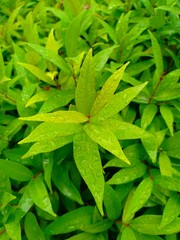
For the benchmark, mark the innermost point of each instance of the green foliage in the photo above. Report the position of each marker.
(89, 120)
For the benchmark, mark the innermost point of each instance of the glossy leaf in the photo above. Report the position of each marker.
(47, 167)
(88, 161)
(112, 203)
(13, 229)
(107, 91)
(51, 43)
(98, 227)
(32, 228)
(150, 224)
(102, 57)
(87, 236)
(165, 164)
(72, 35)
(128, 233)
(140, 197)
(15, 170)
(157, 55)
(124, 130)
(172, 145)
(105, 138)
(149, 142)
(48, 145)
(38, 73)
(148, 115)
(119, 101)
(168, 117)
(71, 221)
(128, 174)
(58, 117)
(171, 210)
(40, 97)
(50, 56)
(170, 183)
(24, 204)
(62, 181)
(47, 131)
(85, 90)
(39, 194)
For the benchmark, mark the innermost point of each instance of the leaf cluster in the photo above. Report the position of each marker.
(89, 120)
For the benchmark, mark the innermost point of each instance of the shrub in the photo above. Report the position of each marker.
(90, 121)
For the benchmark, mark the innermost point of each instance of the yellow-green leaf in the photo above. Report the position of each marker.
(107, 90)
(118, 102)
(101, 134)
(88, 161)
(48, 130)
(39, 194)
(58, 117)
(48, 145)
(168, 117)
(38, 73)
(85, 90)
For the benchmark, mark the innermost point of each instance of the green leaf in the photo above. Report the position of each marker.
(98, 227)
(48, 146)
(72, 35)
(170, 183)
(105, 138)
(107, 91)
(102, 57)
(128, 174)
(88, 161)
(5, 198)
(118, 102)
(58, 117)
(140, 197)
(40, 97)
(168, 94)
(165, 164)
(111, 203)
(50, 130)
(150, 224)
(172, 145)
(87, 236)
(13, 229)
(71, 221)
(47, 167)
(63, 182)
(157, 55)
(15, 170)
(149, 142)
(24, 204)
(171, 210)
(148, 115)
(168, 117)
(51, 43)
(40, 196)
(124, 130)
(128, 233)
(85, 90)
(60, 99)
(38, 73)
(51, 56)
(32, 228)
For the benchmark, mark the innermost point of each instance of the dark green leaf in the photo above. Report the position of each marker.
(32, 228)
(15, 170)
(71, 221)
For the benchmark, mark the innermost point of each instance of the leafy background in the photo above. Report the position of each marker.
(84, 155)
